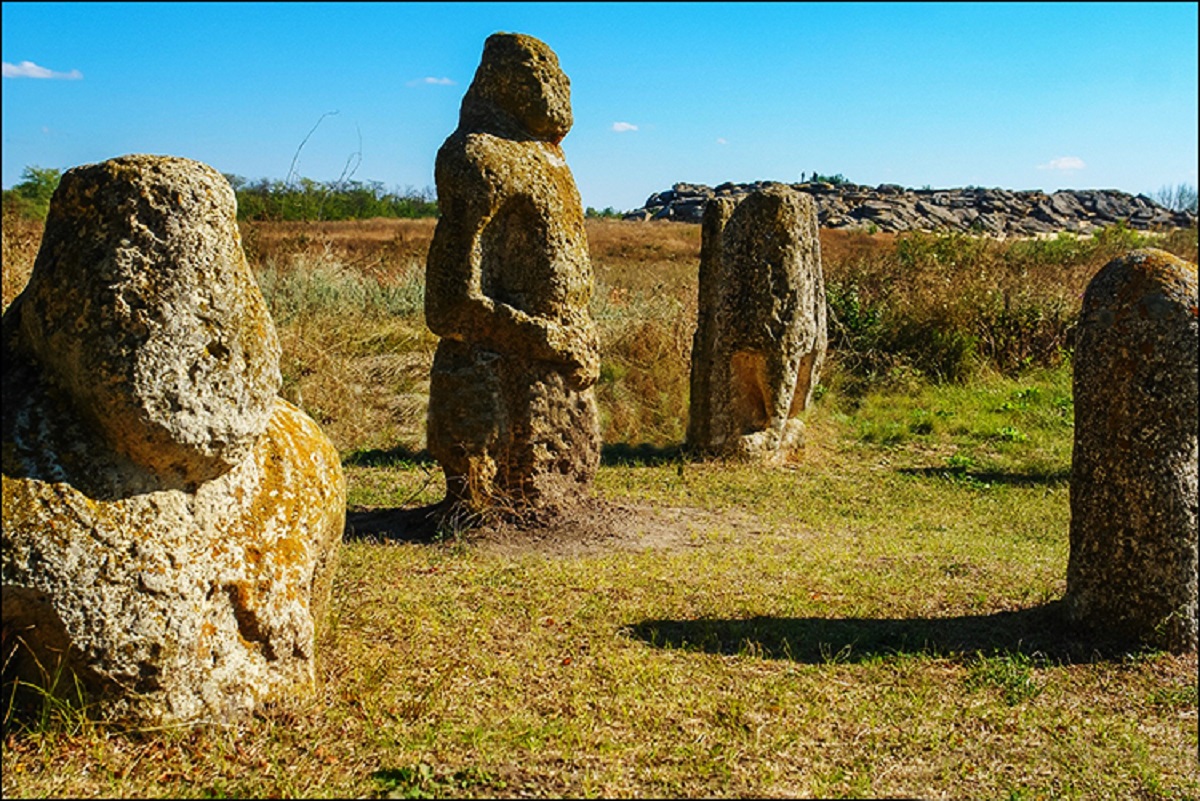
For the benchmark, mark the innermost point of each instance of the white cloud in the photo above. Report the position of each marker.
(722, 140)
(27, 69)
(622, 127)
(431, 81)
(1063, 163)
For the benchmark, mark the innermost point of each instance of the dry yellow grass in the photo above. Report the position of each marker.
(21, 240)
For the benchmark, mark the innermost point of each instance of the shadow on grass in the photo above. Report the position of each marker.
(421, 524)
(990, 477)
(398, 456)
(620, 454)
(1040, 632)
(617, 453)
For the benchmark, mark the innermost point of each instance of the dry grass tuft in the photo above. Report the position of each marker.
(21, 239)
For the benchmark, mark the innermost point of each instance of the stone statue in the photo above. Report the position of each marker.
(171, 526)
(1132, 572)
(512, 413)
(760, 334)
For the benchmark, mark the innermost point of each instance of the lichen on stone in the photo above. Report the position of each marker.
(760, 336)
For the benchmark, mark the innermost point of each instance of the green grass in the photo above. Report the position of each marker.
(871, 620)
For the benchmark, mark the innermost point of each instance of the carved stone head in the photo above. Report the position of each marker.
(519, 82)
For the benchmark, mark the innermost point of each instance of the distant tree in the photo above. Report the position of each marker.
(607, 213)
(31, 197)
(818, 178)
(1181, 197)
(344, 199)
(263, 199)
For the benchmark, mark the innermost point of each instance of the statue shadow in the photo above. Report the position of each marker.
(991, 477)
(391, 457)
(1041, 632)
(418, 525)
(624, 454)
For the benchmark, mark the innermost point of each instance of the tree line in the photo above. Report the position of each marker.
(262, 199)
(307, 199)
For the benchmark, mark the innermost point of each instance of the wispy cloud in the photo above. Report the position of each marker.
(1063, 163)
(431, 81)
(722, 140)
(622, 127)
(27, 69)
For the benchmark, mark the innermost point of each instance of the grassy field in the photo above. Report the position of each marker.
(875, 618)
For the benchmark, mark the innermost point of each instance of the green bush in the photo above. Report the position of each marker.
(31, 197)
(946, 305)
(306, 199)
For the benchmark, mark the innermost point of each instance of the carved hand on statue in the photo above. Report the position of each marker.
(571, 345)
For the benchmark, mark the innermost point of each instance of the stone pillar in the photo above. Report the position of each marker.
(1132, 572)
(760, 337)
(170, 525)
(512, 410)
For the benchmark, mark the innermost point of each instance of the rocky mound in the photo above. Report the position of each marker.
(892, 208)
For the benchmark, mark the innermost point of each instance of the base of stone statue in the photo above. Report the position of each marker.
(160, 605)
(513, 439)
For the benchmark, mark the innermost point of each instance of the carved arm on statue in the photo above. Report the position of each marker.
(456, 309)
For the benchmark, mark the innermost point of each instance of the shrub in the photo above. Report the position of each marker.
(31, 197)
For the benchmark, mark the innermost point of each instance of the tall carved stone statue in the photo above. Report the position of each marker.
(512, 413)
(1133, 567)
(760, 335)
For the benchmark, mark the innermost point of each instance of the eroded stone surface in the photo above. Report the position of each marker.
(1133, 565)
(179, 580)
(512, 413)
(760, 337)
(141, 305)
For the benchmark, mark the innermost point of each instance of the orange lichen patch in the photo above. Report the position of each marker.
(204, 645)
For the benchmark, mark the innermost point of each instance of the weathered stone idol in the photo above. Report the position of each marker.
(170, 525)
(760, 335)
(1132, 572)
(512, 413)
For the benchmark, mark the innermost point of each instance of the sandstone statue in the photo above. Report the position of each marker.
(170, 525)
(512, 412)
(1132, 571)
(760, 335)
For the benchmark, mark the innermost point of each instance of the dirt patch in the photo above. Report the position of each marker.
(593, 527)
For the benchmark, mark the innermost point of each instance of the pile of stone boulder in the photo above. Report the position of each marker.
(891, 208)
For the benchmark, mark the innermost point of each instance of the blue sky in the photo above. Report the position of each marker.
(1019, 96)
